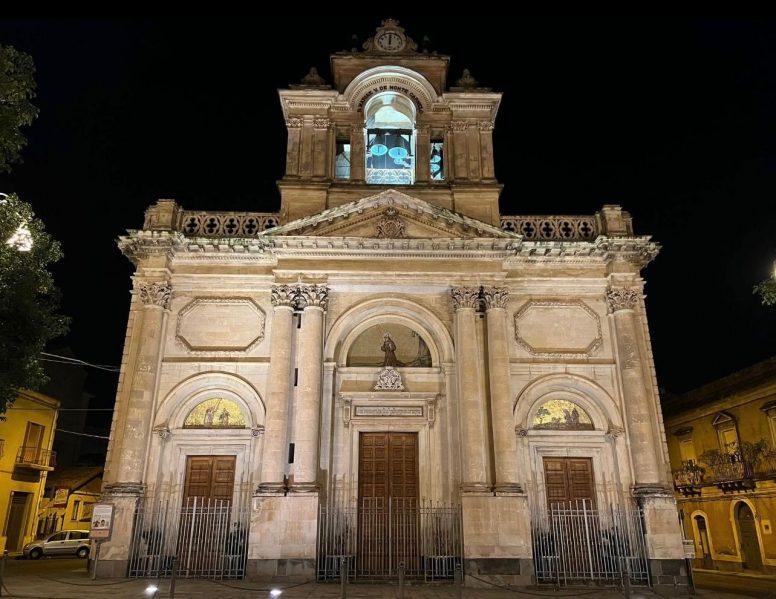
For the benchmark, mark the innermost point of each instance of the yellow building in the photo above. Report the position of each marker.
(721, 440)
(26, 437)
(69, 496)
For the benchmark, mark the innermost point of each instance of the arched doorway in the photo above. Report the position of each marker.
(747, 536)
(703, 560)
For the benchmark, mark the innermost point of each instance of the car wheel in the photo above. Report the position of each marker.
(36, 553)
(83, 552)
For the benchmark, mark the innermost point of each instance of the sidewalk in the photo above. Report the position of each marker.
(43, 587)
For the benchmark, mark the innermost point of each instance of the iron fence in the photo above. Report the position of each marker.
(371, 539)
(209, 537)
(575, 543)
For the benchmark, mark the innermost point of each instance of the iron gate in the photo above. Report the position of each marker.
(209, 538)
(574, 543)
(372, 539)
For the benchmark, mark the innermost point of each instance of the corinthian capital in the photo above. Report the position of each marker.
(294, 122)
(311, 296)
(465, 297)
(622, 298)
(495, 297)
(156, 294)
(283, 295)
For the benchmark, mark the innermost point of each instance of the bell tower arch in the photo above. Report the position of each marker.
(389, 119)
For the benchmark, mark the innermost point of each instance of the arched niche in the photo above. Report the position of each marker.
(390, 344)
(584, 393)
(216, 412)
(199, 388)
(561, 415)
(387, 311)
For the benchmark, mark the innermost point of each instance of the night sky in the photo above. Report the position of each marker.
(673, 120)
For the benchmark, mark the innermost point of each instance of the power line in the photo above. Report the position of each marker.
(59, 430)
(75, 361)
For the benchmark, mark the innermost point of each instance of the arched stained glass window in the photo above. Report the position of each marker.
(561, 414)
(215, 413)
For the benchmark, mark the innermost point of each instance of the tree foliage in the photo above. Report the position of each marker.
(17, 88)
(767, 291)
(28, 300)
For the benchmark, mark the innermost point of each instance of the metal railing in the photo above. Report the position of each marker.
(227, 224)
(551, 227)
(371, 540)
(207, 537)
(575, 543)
(36, 457)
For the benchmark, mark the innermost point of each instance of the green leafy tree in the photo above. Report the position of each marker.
(767, 291)
(17, 88)
(29, 301)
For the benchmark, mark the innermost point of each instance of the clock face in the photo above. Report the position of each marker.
(390, 41)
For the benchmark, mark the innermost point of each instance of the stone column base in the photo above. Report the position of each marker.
(112, 568)
(280, 570)
(482, 572)
(669, 576)
(282, 538)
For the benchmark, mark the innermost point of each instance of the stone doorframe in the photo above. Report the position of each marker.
(605, 444)
(341, 423)
(171, 443)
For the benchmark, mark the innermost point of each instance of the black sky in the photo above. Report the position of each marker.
(673, 120)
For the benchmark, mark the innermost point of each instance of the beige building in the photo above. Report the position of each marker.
(26, 437)
(721, 440)
(388, 371)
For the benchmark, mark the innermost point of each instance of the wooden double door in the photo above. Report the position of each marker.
(569, 482)
(388, 503)
(206, 520)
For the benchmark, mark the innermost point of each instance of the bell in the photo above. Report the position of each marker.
(378, 147)
(399, 147)
(436, 155)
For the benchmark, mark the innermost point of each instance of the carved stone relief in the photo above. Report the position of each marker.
(156, 294)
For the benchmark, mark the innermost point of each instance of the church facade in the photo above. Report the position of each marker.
(388, 372)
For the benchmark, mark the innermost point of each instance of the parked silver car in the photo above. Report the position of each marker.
(64, 542)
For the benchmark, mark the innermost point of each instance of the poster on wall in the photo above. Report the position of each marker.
(102, 521)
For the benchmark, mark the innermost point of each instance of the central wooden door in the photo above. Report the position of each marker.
(388, 502)
(569, 481)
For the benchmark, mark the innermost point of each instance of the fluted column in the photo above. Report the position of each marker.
(357, 155)
(134, 436)
(294, 126)
(505, 444)
(423, 154)
(278, 388)
(307, 416)
(644, 442)
(473, 439)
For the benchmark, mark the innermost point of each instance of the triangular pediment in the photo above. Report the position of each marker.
(390, 215)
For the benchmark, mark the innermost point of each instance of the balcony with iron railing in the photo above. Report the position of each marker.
(36, 458)
(689, 479)
(733, 470)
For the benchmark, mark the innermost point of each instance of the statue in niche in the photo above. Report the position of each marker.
(389, 347)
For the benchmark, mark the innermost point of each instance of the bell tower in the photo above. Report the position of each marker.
(389, 120)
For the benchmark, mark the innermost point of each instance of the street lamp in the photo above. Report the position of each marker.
(151, 590)
(275, 593)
